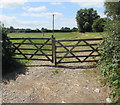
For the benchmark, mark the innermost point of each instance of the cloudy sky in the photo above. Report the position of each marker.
(38, 13)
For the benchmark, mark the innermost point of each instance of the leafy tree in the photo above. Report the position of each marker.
(98, 25)
(110, 60)
(44, 29)
(37, 29)
(65, 29)
(86, 27)
(74, 29)
(11, 29)
(28, 30)
(85, 18)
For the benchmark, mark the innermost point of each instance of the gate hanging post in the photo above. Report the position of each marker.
(53, 51)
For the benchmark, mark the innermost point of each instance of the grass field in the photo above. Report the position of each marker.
(70, 35)
(58, 36)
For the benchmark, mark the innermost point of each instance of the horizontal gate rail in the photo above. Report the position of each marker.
(76, 51)
(78, 45)
(32, 59)
(34, 49)
(80, 56)
(93, 39)
(29, 38)
(34, 54)
(79, 62)
(34, 43)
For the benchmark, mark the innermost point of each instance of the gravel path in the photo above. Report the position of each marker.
(40, 82)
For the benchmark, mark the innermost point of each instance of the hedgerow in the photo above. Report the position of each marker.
(8, 63)
(110, 59)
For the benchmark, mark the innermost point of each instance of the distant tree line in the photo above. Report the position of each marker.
(42, 30)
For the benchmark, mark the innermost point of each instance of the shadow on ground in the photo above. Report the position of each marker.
(13, 75)
(66, 66)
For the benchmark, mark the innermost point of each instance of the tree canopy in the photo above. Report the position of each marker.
(85, 18)
(112, 9)
(98, 25)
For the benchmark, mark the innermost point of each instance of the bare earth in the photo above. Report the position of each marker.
(39, 83)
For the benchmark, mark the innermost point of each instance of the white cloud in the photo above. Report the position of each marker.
(13, 21)
(55, 3)
(6, 19)
(42, 14)
(41, 8)
(90, 3)
(11, 4)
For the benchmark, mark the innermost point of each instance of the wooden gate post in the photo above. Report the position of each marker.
(53, 51)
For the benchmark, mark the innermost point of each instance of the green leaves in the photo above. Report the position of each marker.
(98, 25)
(110, 59)
(112, 9)
(55, 72)
(85, 18)
(7, 53)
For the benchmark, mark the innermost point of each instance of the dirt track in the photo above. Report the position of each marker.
(41, 83)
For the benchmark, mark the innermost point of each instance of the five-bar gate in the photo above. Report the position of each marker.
(57, 51)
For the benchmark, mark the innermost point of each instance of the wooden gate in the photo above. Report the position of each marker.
(32, 48)
(57, 51)
(78, 50)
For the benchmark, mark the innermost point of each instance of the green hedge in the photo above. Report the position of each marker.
(8, 63)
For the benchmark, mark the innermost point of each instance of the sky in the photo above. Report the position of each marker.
(38, 13)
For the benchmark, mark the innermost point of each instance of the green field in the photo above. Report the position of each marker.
(70, 35)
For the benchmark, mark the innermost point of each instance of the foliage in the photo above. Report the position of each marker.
(110, 59)
(85, 18)
(74, 29)
(55, 72)
(86, 27)
(65, 29)
(112, 9)
(7, 53)
(98, 25)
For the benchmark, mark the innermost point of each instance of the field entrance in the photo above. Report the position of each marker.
(57, 51)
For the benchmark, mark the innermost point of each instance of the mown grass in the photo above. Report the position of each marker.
(58, 36)
(69, 35)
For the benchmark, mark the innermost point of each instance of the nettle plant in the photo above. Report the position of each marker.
(110, 60)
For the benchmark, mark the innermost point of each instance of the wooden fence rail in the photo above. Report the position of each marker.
(57, 51)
